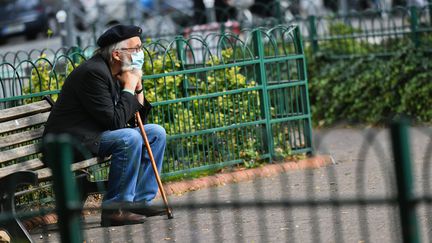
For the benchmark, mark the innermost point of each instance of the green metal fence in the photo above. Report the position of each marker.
(368, 33)
(372, 194)
(223, 100)
(358, 33)
(225, 97)
(180, 68)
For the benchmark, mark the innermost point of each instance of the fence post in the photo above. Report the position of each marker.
(131, 9)
(430, 11)
(59, 158)
(70, 23)
(181, 57)
(279, 16)
(94, 36)
(401, 153)
(414, 26)
(74, 53)
(313, 34)
(79, 41)
(260, 74)
(302, 66)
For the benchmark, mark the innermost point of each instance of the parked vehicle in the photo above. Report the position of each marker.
(23, 17)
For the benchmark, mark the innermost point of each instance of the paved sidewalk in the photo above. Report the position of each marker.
(363, 168)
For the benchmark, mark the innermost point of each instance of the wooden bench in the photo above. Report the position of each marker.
(21, 130)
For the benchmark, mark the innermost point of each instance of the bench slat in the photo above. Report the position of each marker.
(19, 152)
(23, 122)
(33, 164)
(45, 173)
(24, 110)
(21, 137)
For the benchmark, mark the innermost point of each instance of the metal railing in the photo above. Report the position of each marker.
(358, 33)
(223, 100)
(378, 190)
(369, 33)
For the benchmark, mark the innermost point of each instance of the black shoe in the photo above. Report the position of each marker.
(146, 210)
(120, 217)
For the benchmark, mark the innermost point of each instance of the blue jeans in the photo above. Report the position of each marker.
(131, 177)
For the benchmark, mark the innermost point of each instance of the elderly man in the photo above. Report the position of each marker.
(96, 105)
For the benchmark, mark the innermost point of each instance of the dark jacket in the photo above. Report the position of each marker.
(91, 102)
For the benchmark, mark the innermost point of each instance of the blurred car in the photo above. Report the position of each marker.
(24, 17)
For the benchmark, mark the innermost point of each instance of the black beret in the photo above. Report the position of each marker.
(118, 33)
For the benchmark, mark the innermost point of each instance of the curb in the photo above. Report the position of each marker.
(181, 187)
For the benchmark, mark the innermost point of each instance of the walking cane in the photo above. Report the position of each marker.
(159, 182)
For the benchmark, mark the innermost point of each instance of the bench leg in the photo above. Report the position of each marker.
(9, 183)
(17, 231)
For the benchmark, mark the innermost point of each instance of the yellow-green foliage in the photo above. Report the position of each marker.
(44, 78)
(203, 112)
(183, 116)
(197, 113)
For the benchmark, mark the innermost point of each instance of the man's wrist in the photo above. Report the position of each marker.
(129, 91)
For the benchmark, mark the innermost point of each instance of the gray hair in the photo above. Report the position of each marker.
(106, 52)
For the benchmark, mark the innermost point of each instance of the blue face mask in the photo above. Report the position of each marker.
(137, 60)
(136, 63)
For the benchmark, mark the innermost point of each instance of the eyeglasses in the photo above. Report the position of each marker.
(132, 49)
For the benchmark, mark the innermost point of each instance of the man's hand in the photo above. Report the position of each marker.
(130, 79)
(139, 84)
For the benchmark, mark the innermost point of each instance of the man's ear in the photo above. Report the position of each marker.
(116, 55)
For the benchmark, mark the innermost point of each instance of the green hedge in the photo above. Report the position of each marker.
(372, 89)
(369, 89)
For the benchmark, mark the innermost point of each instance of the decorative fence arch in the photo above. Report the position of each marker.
(222, 98)
(225, 98)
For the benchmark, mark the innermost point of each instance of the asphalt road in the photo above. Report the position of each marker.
(363, 168)
(19, 43)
